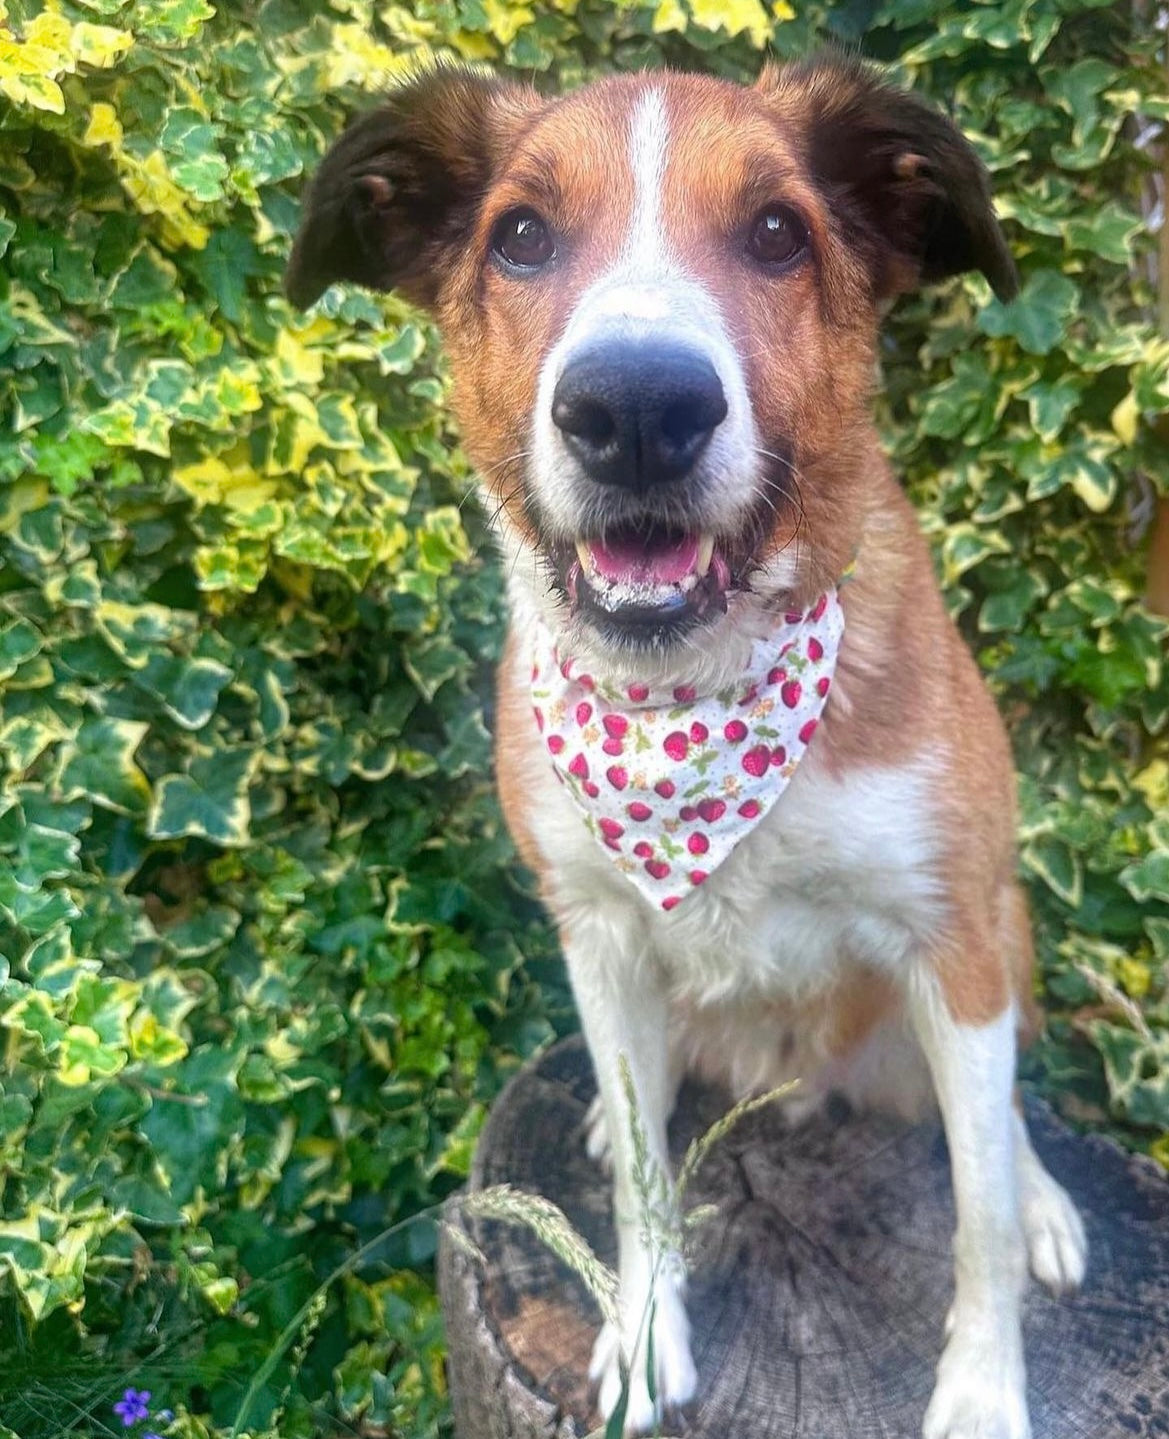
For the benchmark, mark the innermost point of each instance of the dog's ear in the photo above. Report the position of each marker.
(403, 185)
(912, 193)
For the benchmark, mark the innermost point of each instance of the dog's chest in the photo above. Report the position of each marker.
(843, 870)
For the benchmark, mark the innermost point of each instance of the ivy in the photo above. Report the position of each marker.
(265, 952)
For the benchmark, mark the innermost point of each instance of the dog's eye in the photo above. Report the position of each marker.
(522, 240)
(777, 235)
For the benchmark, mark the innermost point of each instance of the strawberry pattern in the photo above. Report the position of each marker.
(665, 779)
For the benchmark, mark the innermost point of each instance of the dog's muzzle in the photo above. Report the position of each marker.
(637, 415)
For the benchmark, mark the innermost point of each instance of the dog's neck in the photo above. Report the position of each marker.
(669, 777)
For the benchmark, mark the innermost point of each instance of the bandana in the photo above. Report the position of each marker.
(670, 781)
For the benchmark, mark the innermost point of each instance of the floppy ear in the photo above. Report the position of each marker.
(910, 190)
(403, 185)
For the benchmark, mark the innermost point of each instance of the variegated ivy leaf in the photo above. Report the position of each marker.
(210, 800)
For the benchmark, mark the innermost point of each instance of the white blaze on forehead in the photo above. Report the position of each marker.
(649, 138)
(649, 295)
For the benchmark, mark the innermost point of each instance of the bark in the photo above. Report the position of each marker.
(819, 1292)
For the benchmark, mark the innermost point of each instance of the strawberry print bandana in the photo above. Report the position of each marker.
(669, 782)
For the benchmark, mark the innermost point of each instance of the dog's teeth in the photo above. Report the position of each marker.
(705, 551)
(582, 553)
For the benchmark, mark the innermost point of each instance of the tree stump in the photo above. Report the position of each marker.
(819, 1293)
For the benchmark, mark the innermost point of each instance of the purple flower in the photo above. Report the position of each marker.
(133, 1406)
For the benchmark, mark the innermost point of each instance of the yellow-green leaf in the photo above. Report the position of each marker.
(735, 17)
(505, 21)
(28, 87)
(669, 16)
(99, 45)
(1126, 417)
(104, 127)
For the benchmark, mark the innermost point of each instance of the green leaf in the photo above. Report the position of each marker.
(98, 764)
(134, 632)
(949, 409)
(144, 1202)
(203, 933)
(25, 737)
(45, 854)
(146, 278)
(1039, 315)
(210, 800)
(1088, 474)
(188, 689)
(84, 1057)
(1137, 1067)
(171, 21)
(400, 355)
(267, 156)
(433, 662)
(1148, 878)
(1051, 405)
(191, 1125)
(1052, 861)
(965, 546)
(18, 643)
(1108, 232)
(226, 264)
(152, 1043)
(1078, 88)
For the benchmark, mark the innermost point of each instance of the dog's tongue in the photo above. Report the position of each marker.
(640, 562)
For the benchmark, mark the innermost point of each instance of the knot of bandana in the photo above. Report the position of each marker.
(669, 782)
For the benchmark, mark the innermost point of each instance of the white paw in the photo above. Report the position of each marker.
(617, 1354)
(981, 1391)
(596, 1130)
(805, 1103)
(1057, 1247)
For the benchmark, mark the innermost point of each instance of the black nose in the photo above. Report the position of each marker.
(638, 415)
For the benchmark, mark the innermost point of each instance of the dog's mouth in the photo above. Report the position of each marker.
(648, 582)
(643, 580)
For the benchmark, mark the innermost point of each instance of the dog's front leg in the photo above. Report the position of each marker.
(981, 1384)
(622, 1003)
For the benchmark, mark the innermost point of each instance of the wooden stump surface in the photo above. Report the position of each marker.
(818, 1295)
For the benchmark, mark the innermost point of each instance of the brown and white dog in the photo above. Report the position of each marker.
(660, 297)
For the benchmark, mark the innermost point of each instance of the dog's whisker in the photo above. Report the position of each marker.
(503, 501)
(473, 488)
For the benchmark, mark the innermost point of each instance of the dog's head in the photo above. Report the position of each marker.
(660, 298)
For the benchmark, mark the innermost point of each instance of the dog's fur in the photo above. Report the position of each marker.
(869, 935)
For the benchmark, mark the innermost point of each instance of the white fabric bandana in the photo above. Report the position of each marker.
(669, 782)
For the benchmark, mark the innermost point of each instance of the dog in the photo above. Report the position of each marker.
(766, 793)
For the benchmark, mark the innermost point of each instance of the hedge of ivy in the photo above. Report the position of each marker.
(265, 955)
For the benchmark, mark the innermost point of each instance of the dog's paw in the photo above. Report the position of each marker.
(614, 1357)
(596, 1133)
(1057, 1248)
(980, 1392)
(804, 1104)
